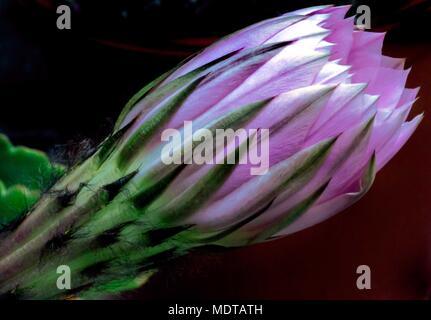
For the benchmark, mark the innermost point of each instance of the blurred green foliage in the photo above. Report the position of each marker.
(24, 174)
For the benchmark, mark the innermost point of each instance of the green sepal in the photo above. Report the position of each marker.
(287, 219)
(146, 130)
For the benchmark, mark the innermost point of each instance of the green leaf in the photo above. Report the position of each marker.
(24, 174)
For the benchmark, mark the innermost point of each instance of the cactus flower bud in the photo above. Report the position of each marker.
(335, 110)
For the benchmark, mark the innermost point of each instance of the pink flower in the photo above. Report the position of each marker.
(336, 110)
(325, 80)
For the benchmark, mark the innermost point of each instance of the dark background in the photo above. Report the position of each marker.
(61, 87)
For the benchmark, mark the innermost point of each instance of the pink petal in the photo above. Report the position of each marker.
(341, 96)
(213, 91)
(393, 63)
(386, 125)
(397, 141)
(301, 107)
(408, 95)
(325, 210)
(336, 14)
(302, 29)
(333, 73)
(349, 171)
(341, 37)
(355, 111)
(242, 202)
(389, 84)
(289, 70)
(249, 37)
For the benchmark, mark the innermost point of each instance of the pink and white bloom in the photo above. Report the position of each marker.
(324, 80)
(336, 110)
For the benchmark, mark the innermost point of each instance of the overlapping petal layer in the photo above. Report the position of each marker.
(336, 109)
(327, 80)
